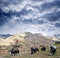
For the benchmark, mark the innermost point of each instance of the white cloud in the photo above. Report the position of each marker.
(5, 9)
(49, 1)
(58, 9)
(3, 0)
(15, 7)
(39, 2)
(14, 19)
(37, 28)
(18, 7)
(34, 14)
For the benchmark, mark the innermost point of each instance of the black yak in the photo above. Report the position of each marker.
(34, 50)
(52, 50)
(14, 52)
(43, 48)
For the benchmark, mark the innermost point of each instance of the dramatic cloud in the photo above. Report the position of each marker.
(30, 16)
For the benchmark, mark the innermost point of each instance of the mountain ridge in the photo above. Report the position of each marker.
(27, 39)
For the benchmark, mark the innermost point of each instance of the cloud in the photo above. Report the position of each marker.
(57, 24)
(14, 19)
(53, 16)
(30, 15)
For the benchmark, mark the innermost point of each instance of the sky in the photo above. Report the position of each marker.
(35, 16)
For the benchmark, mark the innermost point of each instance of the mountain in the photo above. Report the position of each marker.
(12, 39)
(37, 39)
(5, 35)
(55, 39)
(57, 36)
(26, 39)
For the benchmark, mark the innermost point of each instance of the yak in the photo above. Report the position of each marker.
(14, 52)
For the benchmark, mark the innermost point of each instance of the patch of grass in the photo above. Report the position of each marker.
(40, 54)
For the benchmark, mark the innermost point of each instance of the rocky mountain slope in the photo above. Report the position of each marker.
(26, 39)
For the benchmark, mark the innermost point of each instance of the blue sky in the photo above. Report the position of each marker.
(36, 16)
